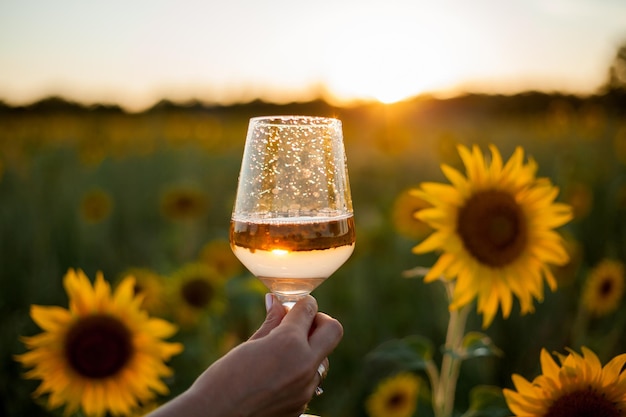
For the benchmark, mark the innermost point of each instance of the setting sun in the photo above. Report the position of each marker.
(402, 56)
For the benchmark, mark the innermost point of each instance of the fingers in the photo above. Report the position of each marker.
(302, 314)
(275, 314)
(322, 331)
(326, 335)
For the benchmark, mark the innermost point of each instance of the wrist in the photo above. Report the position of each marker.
(211, 402)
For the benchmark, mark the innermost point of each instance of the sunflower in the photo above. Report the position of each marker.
(218, 254)
(495, 229)
(395, 396)
(197, 289)
(579, 387)
(150, 286)
(103, 354)
(604, 288)
(183, 203)
(580, 197)
(566, 274)
(95, 206)
(403, 217)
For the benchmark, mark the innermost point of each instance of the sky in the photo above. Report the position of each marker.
(135, 53)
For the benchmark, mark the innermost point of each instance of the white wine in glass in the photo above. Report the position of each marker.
(292, 224)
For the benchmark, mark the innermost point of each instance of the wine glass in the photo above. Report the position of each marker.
(292, 224)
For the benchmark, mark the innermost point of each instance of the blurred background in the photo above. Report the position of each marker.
(122, 127)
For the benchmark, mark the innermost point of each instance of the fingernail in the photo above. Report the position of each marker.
(269, 300)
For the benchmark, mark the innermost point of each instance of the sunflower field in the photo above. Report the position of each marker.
(520, 280)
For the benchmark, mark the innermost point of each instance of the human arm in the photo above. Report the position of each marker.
(273, 374)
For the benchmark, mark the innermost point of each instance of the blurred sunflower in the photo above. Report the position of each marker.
(103, 354)
(95, 206)
(580, 197)
(403, 217)
(495, 231)
(218, 254)
(566, 274)
(395, 396)
(604, 288)
(183, 203)
(150, 286)
(197, 289)
(579, 387)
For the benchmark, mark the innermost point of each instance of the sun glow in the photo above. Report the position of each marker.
(403, 56)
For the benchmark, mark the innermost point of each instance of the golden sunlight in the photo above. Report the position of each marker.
(399, 58)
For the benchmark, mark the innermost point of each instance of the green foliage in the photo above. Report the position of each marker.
(412, 352)
(487, 401)
(477, 344)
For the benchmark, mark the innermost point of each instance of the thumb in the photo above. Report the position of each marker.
(275, 313)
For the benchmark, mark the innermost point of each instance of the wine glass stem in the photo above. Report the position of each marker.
(288, 300)
(288, 304)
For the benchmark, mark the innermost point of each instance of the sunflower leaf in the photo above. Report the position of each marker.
(487, 401)
(477, 344)
(412, 352)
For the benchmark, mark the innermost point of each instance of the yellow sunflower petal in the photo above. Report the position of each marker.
(436, 193)
(548, 365)
(438, 270)
(488, 306)
(161, 328)
(431, 243)
(458, 180)
(102, 292)
(464, 293)
(80, 292)
(50, 318)
(506, 298)
(495, 168)
(125, 291)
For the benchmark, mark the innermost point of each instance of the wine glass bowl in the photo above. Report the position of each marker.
(292, 224)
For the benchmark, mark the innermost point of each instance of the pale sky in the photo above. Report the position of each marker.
(136, 52)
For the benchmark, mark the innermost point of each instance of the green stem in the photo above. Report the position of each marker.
(445, 391)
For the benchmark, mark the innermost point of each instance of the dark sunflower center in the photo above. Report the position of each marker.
(606, 287)
(184, 204)
(138, 289)
(396, 401)
(98, 346)
(492, 227)
(584, 403)
(197, 293)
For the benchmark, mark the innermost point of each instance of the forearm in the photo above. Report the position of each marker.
(193, 403)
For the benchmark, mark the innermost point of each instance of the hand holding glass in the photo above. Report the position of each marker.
(292, 224)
